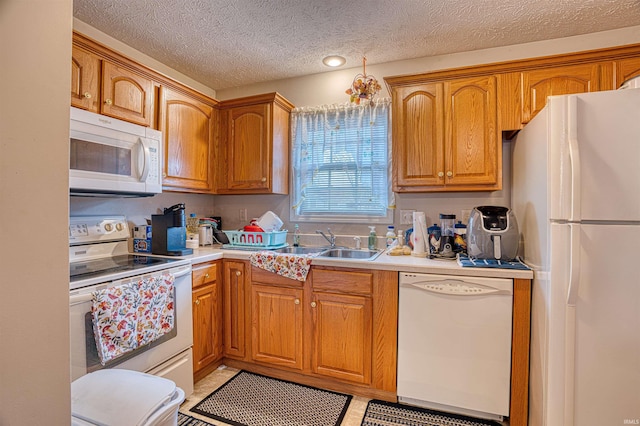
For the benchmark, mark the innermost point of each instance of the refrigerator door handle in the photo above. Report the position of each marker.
(574, 159)
(574, 264)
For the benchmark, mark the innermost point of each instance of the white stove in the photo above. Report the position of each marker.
(99, 259)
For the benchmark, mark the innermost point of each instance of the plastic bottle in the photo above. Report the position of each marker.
(296, 236)
(391, 235)
(373, 238)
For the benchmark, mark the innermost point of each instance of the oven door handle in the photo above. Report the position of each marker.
(76, 299)
(184, 270)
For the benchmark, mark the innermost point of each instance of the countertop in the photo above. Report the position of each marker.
(382, 262)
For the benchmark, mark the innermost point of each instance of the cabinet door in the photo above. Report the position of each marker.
(342, 336)
(234, 320)
(205, 326)
(126, 95)
(277, 325)
(188, 127)
(626, 69)
(85, 80)
(249, 147)
(537, 85)
(472, 148)
(418, 119)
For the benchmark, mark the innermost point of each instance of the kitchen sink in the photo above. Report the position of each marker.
(343, 253)
(301, 250)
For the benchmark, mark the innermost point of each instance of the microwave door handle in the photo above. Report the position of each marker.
(146, 157)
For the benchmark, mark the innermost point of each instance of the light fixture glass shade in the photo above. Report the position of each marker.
(334, 61)
(363, 87)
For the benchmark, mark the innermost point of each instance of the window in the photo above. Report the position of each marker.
(341, 163)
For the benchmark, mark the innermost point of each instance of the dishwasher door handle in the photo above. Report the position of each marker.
(457, 288)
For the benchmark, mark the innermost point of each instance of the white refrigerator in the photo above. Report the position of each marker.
(576, 195)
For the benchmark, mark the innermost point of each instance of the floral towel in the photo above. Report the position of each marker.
(291, 266)
(130, 315)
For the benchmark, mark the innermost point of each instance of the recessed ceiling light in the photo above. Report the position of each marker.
(334, 61)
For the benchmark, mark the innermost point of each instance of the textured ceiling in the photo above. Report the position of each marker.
(229, 43)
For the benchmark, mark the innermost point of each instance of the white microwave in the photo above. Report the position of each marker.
(111, 157)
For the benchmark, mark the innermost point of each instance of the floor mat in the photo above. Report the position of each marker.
(185, 420)
(250, 399)
(382, 413)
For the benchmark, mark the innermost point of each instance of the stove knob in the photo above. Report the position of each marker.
(108, 227)
(119, 226)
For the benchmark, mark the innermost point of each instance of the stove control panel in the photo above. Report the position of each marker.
(95, 229)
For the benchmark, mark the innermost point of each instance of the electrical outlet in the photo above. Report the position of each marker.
(465, 216)
(406, 217)
(243, 215)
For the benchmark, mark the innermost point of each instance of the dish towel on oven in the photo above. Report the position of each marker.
(131, 315)
(291, 266)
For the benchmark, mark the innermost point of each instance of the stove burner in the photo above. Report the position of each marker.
(104, 266)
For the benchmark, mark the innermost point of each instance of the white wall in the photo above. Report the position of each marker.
(34, 156)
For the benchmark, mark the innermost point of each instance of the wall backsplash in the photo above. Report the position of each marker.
(137, 210)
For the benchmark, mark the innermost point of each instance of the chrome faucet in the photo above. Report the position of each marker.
(331, 240)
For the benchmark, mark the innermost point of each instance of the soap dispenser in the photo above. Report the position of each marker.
(373, 238)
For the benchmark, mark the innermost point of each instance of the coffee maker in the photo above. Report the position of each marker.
(169, 232)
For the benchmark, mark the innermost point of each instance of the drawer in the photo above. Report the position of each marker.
(342, 281)
(204, 274)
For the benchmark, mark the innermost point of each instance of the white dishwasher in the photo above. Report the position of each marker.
(454, 343)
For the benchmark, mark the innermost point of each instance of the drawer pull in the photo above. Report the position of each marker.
(206, 276)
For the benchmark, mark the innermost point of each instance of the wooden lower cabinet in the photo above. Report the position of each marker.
(342, 336)
(277, 325)
(207, 318)
(336, 330)
(235, 285)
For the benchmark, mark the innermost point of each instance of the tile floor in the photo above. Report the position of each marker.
(220, 376)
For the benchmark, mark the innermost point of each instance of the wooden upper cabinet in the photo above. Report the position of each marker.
(85, 80)
(473, 154)
(249, 150)
(126, 95)
(254, 145)
(537, 85)
(626, 69)
(445, 136)
(188, 126)
(418, 129)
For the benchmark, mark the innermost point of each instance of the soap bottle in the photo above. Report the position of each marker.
(391, 235)
(373, 238)
(296, 236)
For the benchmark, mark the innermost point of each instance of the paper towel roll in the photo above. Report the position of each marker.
(419, 234)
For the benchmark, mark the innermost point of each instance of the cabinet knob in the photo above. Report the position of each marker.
(108, 101)
(238, 273)
(449, 173)
(206, 276)
(264, 179)
(87, 95)
(440, 174)
(313, 304)
(297, 301)
(197, 301)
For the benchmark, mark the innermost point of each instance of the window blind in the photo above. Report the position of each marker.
(341, 162)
